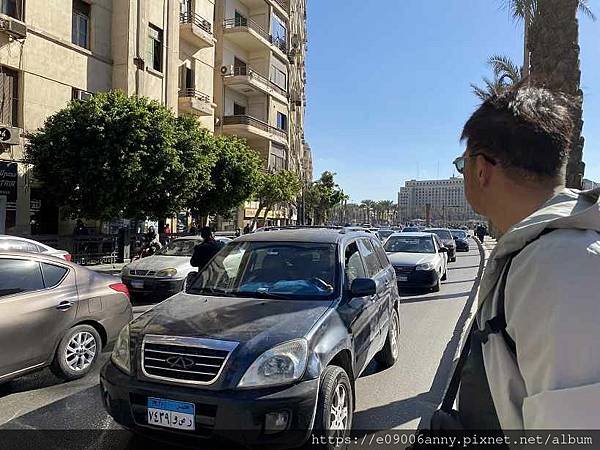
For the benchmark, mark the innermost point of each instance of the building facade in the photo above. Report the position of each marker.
(444, 200)
(174, 51)
(589, 184)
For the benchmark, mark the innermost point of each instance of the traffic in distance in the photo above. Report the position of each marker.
(268, 338)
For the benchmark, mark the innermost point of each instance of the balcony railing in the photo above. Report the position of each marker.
(253, 122)
(195, 19)
(283, 3)
(193, 93)
(247, 71)
(243, 22)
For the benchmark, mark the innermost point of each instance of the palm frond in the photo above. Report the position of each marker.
(505, 69)
(585, 9)
(521, 9)
(480, 92)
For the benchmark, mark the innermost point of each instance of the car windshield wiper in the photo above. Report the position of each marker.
(262, 294)
(215, 291)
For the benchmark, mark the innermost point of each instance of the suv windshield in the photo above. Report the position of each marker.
(179, 247)
(384, 234)
(459, 234)
(279, 270)
(444, 235)
(409, 244)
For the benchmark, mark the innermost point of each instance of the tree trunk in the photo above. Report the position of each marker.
(256, 215)
(553, 41)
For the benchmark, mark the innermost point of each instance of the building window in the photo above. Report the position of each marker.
(282, 121)
(279, 77)
(240, 20)
(12, 8)
(239, 110)
(155, 47)
(81, 24)
(279, 33)
(9, 113)
(80, 94)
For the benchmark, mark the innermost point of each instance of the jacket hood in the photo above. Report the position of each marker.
(568, 209)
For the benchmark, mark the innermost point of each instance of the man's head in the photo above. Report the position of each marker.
(518, 138)
(206, 233)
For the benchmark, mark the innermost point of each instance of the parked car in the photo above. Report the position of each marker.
(56, 313)
(163, 274)
(269, 345)
(446, 236)
(411, 230)
(384, 233)
(419, 260)
(462, 240)
(19, 244)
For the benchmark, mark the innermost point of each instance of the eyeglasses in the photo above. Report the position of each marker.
(459, 162)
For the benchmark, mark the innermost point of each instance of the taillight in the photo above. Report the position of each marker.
(120, 287)
(68, 257)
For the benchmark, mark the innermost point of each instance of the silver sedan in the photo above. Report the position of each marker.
(58, 314)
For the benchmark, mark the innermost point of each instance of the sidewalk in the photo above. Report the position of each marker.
(109, 269)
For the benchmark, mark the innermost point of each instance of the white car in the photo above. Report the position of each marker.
(163, 274)
(19, 244)
(419, 259)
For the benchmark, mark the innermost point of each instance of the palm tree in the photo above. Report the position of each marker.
(368, 204)
(552, 59)
(506, 73)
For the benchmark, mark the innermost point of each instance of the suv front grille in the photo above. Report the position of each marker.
(184, 359)
(403, 269)
(142, 273)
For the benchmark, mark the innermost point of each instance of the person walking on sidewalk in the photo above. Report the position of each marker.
(480, 232)
(204, 252)
(534, 353)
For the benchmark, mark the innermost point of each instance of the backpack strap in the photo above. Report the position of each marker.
(495, 325)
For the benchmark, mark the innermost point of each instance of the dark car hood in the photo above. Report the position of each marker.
(257, 324)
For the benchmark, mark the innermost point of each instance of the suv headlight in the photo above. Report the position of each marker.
(171, 272)
(120, 354)
(279, 365)
(425, 266)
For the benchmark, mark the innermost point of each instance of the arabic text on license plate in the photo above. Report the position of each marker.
(402, 278)
(137, 284)
(171, 414)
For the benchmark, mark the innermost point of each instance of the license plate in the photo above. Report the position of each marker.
(137, 284)
(402, 278)
(171, 414)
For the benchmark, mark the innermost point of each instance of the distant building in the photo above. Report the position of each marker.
(445, 197)
(589, 184)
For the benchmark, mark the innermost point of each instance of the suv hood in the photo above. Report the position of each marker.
(257, 324)
(409, 259)
(157, 262)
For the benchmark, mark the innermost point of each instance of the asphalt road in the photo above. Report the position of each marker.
(400, 397)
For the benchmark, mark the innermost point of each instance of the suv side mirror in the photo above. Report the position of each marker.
(443, 250)
(190, 279)
(363, 287)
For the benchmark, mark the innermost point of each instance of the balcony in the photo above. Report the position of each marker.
(196, 30)
(251, 128)
(250, 36)
(195, 102)
(249, 82)
(283, 6)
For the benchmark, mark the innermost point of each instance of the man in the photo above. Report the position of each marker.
(480, 232)
(535, 362)
(204, 252)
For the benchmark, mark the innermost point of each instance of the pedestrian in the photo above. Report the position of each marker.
(204, 252)
(247, 229)
(193, 230)
(480, 232)
(167, 229)
(238, 232)
(533, 359)
(80, 229)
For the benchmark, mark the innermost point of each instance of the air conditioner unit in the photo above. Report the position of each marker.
(10, 135)
(13, 27)
(79, 94)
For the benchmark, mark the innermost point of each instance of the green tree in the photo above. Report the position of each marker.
(551, 58)
(234, 177)
(322, 195)
(276, 188)
(506, 73)
(117, 156)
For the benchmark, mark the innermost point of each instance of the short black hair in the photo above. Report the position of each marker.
(206, 232)
(525, 128)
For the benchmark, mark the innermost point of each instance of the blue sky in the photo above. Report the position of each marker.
(386, 103)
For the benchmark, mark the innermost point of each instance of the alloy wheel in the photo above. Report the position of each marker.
(80, 351)
(394, 335)
(338, 415)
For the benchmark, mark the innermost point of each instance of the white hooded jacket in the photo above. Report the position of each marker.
(552, 305)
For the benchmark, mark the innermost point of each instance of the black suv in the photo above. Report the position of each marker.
(265, 344)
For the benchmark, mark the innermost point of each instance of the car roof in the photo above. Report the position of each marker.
(412, 234)
(437, 229)
(43, 257)
(316, 235)
(24, 239)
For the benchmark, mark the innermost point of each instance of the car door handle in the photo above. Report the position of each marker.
(63, 306)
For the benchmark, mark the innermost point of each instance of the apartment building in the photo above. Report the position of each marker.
(446, 199)
(589, 184)
(259, 82)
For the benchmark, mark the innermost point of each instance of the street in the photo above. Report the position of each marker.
(401, 397)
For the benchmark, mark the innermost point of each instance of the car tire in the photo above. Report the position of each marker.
(77, 353)
(335, 383)
(437, 287)
(388, 355)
